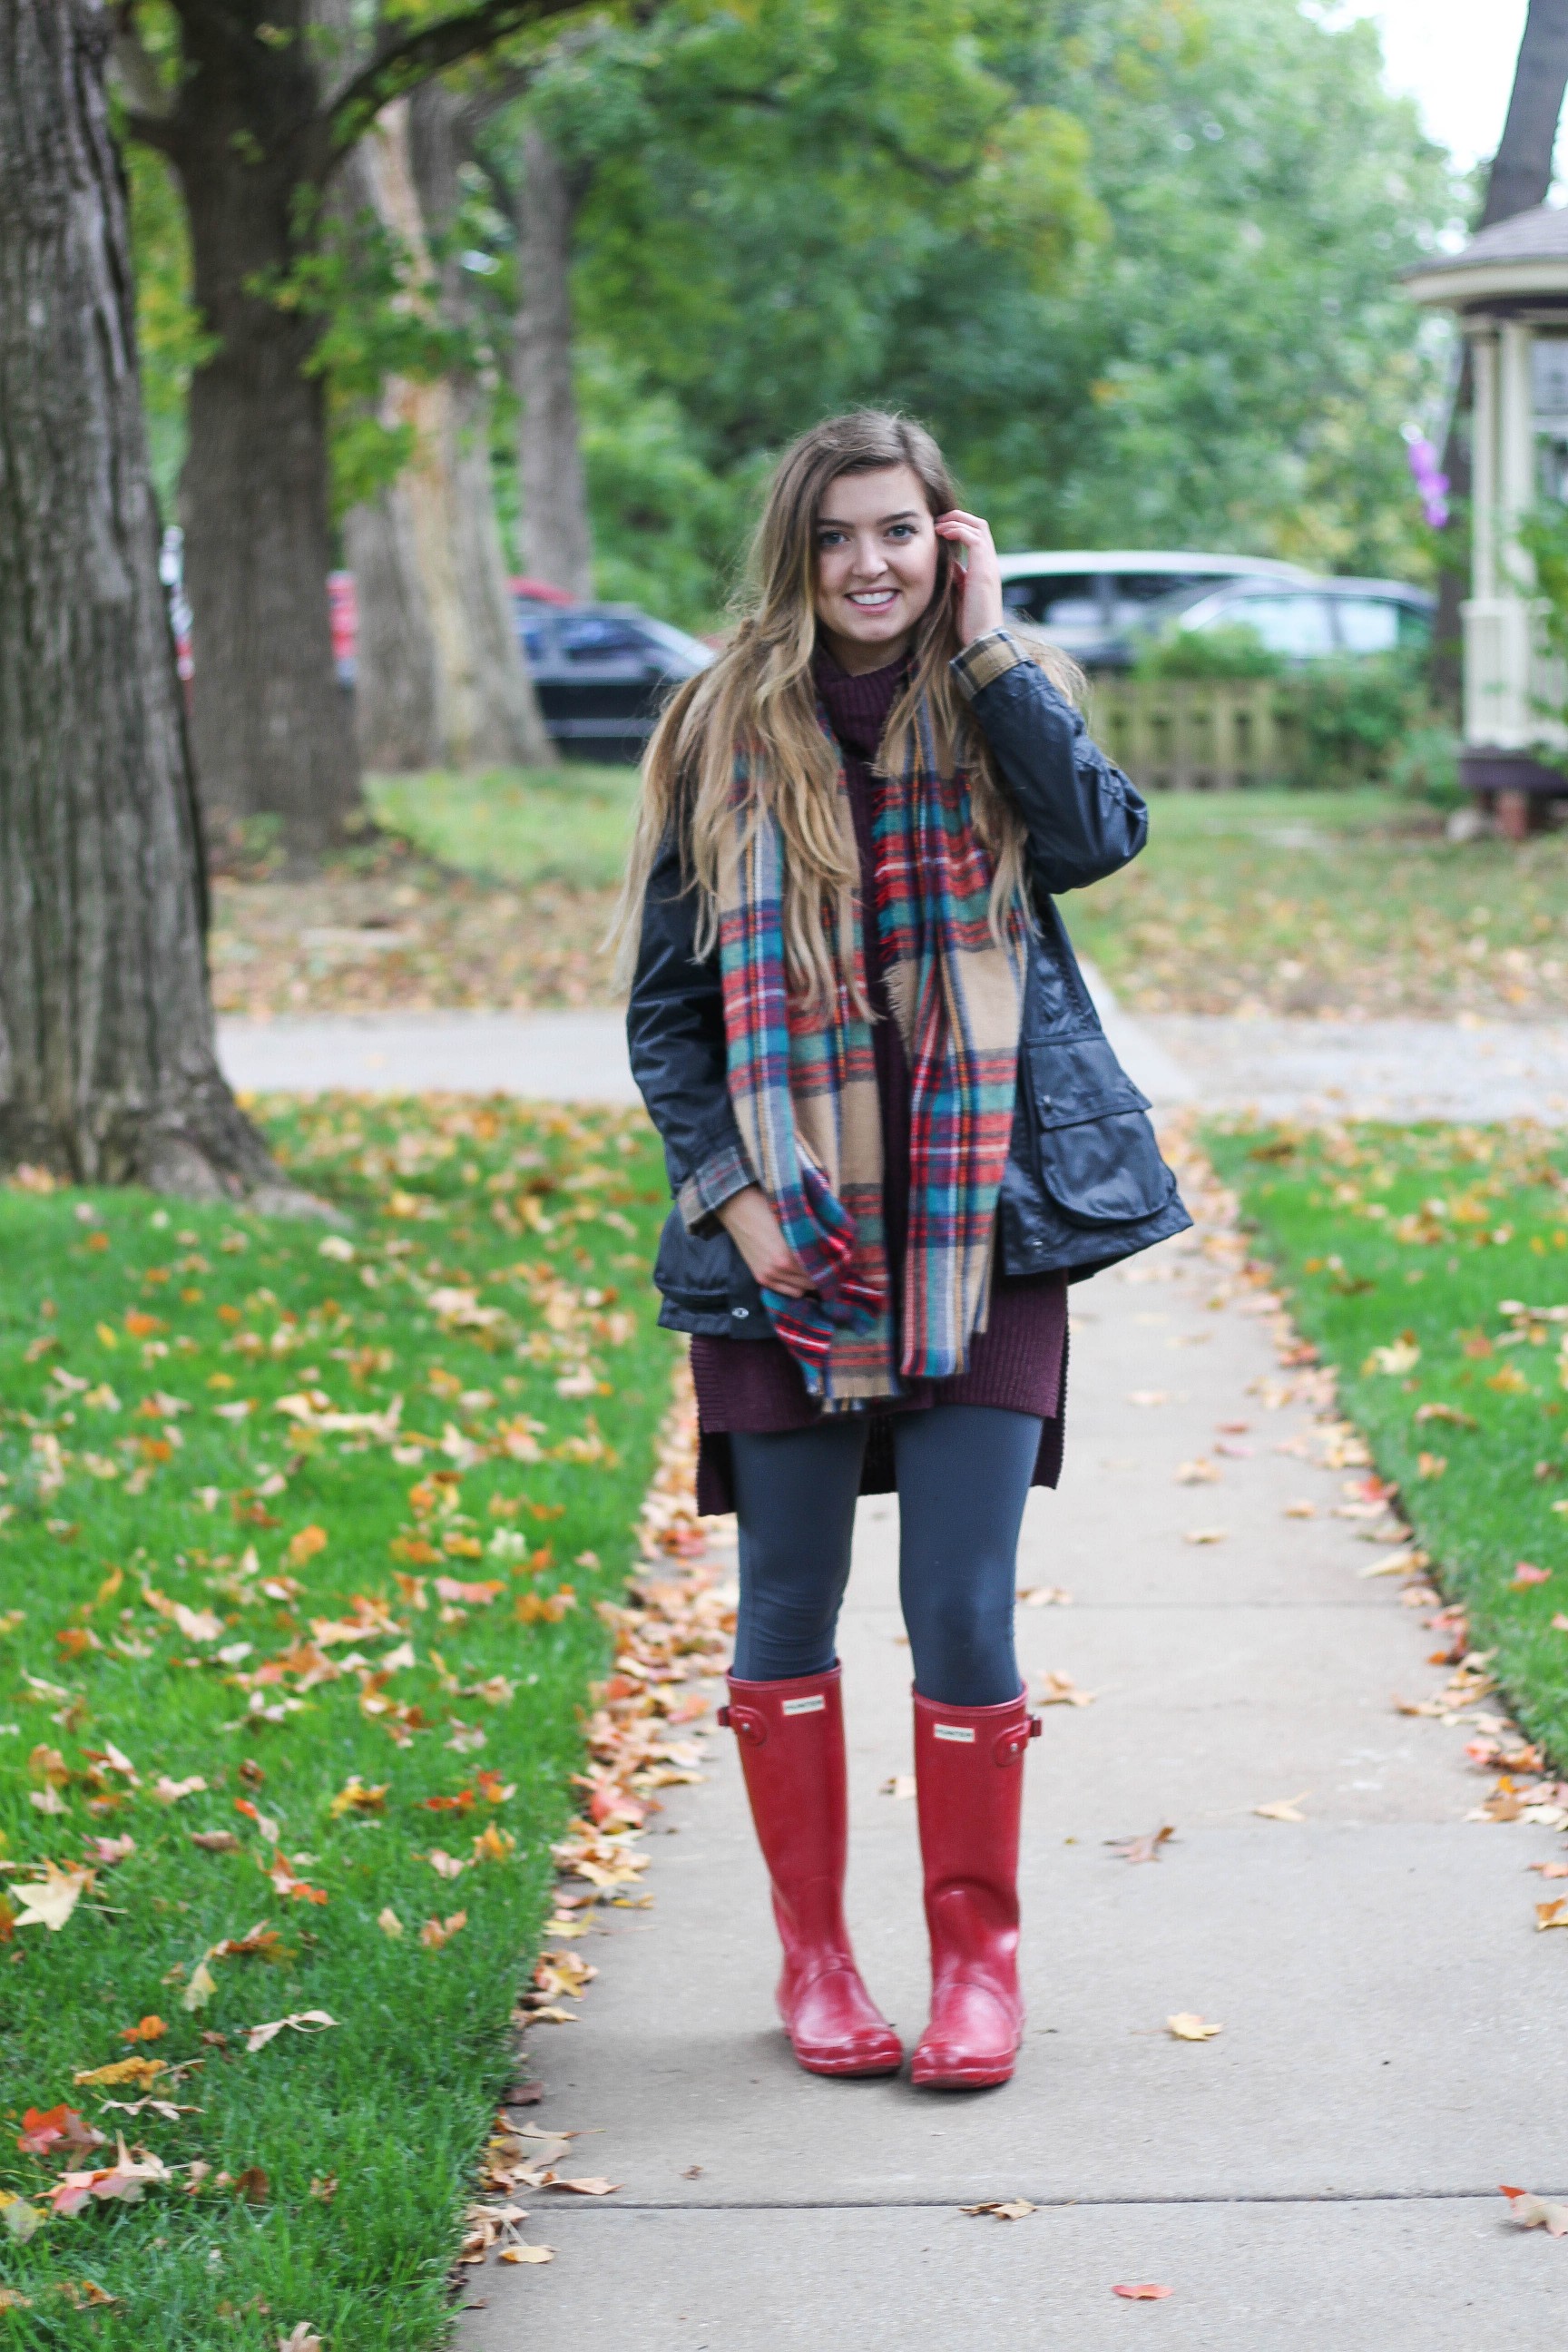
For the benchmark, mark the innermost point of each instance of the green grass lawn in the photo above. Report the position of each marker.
(567, 824)
(1430, 1267)
(301, 1535)
(1320, 901)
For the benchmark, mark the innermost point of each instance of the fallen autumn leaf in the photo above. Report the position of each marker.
(1533, 2212)
(1282, 1808)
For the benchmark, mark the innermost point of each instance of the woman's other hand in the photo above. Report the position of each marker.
(748, 1218)
(979, 588)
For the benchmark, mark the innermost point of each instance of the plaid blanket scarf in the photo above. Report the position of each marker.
(802, 1082)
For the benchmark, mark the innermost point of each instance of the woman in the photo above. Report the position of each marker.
(894, 1130)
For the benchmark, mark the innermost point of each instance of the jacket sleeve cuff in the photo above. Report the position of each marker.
(985, 660)
(720, 1178)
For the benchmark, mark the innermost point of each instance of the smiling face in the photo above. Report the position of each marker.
(877, 563)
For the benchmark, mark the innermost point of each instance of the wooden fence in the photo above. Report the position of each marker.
(1194, 734)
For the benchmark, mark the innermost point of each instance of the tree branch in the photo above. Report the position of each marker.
(935, 175)
(402, 64)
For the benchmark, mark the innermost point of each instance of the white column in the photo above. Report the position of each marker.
(1498, 619)
(1484, 465)
(1516, 441)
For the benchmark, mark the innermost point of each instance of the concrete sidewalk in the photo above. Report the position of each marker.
(564, 1057)
(1323, 2174)
(1282, 1068)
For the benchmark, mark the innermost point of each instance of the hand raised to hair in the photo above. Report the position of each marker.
(978, 586)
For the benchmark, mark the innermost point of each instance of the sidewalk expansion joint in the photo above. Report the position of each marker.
(1043, 2201)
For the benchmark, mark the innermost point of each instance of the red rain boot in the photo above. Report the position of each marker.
(791, 1737)
(969, 1774)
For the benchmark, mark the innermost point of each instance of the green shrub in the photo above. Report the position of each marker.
(1237, 652)
(1426, 767)
(1354, 716)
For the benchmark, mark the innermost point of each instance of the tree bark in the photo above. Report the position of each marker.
(442, 681)
(1521, 173)
(397, 685)
(557, 544)
(107, 1067)
(272, 729)
(1519, 178)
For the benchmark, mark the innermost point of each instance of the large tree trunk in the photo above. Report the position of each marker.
(1520, 177)
(442, 681)
(1521, 174)
(107, 1069)
(557, 545)
(272, 727)
(397, 679)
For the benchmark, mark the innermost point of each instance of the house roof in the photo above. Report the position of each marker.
(1522, 257)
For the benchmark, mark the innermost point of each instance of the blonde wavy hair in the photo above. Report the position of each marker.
(757, 702)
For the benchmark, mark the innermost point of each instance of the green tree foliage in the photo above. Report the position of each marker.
(1135, 260)
(169, 332)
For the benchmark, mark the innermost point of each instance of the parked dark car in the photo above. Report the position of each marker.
(1304, 620)
(601, 673)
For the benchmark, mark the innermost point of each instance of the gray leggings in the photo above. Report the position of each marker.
(963, 1473)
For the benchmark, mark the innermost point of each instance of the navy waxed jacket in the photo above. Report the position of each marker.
(1085, 1184)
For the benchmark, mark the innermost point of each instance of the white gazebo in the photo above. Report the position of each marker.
(1509, 289)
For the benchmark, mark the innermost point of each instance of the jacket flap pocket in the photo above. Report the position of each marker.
(702, 1270)
(1105, 1170)
(1077, 1079)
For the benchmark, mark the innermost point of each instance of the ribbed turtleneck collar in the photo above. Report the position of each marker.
(858, 708)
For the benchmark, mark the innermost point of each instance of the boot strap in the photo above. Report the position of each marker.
(748, 1722)
(1011, 1743)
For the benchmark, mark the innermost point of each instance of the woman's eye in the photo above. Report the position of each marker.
(902, 530)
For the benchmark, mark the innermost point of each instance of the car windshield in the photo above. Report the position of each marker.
(668, 639)
(1367, 625)
(1055, 600)
(1161, 612)
(600, 637)
(1290, 622)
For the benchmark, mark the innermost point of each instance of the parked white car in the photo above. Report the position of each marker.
(1087, 599)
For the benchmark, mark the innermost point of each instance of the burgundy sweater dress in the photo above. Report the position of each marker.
(1019, 1361)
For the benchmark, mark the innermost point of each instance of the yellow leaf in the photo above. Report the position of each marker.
(528, 2253)
(201, 1988)
(306, 1545)
(354, 1798)
(389, 1922)
(1283, 1809)
(1187, 2026)
(124, 2070)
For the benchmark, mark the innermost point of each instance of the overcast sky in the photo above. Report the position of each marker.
(1455, 58)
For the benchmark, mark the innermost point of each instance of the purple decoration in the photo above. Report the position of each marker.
(1432, 484)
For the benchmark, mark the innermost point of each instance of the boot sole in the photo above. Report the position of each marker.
(927, 2075)
(853, 2068)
